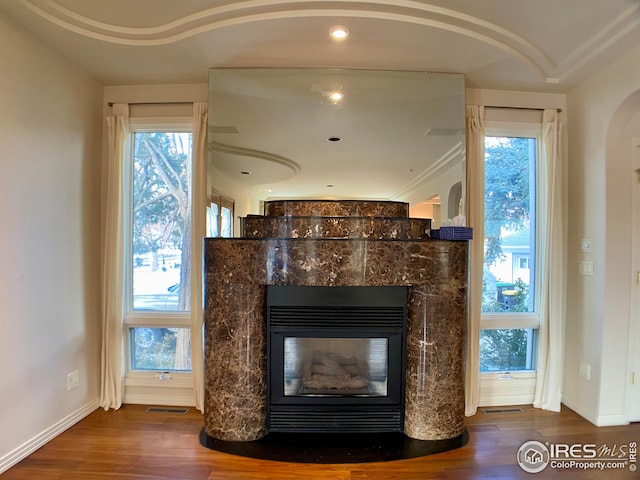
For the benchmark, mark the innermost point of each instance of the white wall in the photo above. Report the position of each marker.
(50, 139)
(600, 209)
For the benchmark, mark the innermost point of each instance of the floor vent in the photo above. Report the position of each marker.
(178, 411)
(493, 411)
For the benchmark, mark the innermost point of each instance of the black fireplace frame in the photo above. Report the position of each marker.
(336, 312)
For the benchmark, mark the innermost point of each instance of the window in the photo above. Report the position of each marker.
(509, 314)
(159, 249)
(220, 216)
(523, 263)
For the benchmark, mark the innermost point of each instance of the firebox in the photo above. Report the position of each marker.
(336, 358)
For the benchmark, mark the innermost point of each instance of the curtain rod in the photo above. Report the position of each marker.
(110, 104)
(559, 110)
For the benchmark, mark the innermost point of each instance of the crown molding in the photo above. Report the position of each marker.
(615, 31)
(446, 161)
(257, 154)
(238, 13)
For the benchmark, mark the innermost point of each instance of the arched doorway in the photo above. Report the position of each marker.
(623, 223)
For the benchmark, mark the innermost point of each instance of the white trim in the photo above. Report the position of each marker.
(501, 389)
(168, 398)
(155, 318)
(178, 124)
(172, 379)
(632, 384)
(241, 13)
(611, 420)
(145, 388)
(493, 321)
(30, 446)
(598, 420)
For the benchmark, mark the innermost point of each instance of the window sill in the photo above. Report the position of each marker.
(155, 379)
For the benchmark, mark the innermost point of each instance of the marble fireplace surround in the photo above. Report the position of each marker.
(334, 243)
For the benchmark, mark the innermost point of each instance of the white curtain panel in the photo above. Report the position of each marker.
(199, 213)
(552, 274)
(112, 372)
(475, 219)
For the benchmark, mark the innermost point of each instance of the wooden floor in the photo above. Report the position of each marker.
(130, 444)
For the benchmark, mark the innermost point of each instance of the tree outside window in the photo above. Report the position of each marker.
(509, 230)
(160, 247)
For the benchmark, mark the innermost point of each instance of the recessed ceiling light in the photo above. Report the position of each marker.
(330, 185)
(244, 172)
(339, 32)
(334, 139)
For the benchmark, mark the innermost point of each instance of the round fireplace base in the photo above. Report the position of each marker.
(334, 448)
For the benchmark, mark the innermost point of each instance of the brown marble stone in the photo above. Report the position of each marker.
(287, 261)
(235, 382)
(434, 401)
(335, 208)
(237, 271)
(336, 227)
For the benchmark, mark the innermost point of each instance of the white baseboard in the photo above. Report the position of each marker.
(30, 446)
(611, 420)
(597, 420)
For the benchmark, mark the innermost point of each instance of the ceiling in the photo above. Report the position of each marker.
(525, 45)
(534, 45)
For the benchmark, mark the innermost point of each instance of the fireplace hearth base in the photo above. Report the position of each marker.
(334, 448)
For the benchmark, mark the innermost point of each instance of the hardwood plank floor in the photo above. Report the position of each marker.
(130, 444)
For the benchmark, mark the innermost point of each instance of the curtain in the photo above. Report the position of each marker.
(552, 274)
(199, 192)
(112, 371)
(475, 219)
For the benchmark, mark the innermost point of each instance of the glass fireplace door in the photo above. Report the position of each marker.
(336, 366)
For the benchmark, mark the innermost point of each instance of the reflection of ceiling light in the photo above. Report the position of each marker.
(336, 97)
(339, 32)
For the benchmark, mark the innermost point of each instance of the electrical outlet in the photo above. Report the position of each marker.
(73, 380)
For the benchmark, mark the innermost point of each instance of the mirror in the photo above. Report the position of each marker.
(337, 134)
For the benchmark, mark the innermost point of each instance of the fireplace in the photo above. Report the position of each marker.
(336, 358)
(354, 290)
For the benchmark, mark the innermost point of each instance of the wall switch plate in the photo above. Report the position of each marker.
(585, 268)
(73, 380)
(585, 245)
(585, 370)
